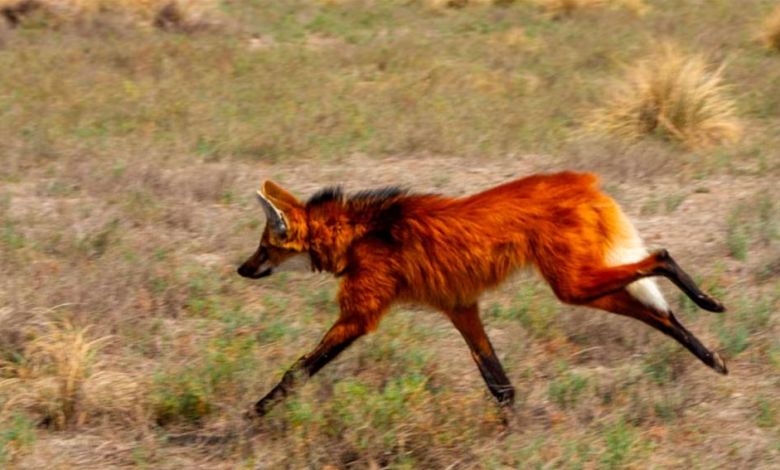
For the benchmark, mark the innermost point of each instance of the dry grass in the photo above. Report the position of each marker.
(53, 378)
(179, 15)
(676, 96)
(770, 33)
(437, 5)
(432, 5)
(565, 8)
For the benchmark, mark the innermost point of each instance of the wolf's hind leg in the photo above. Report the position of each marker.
(623, 303)
(672, 271)
(578, 284)
(584, 281)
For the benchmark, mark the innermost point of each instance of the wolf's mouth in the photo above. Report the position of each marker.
(264, 273)
(243, 271)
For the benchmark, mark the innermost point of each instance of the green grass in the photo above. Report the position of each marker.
(191, 392)
(621, 442)
(534, 308)
(381, 94)
(737, 237)
(566, 390)
(660, 365)
(767, 413)
(751, 222)
(11, 237)
(16, 436)
(748, 325)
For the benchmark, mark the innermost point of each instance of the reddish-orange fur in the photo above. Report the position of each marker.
(445, 252)
(449, 251)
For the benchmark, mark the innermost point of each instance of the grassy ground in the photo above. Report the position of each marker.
(129, 158)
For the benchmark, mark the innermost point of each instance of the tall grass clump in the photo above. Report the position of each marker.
(56, 378)
(672, 95)
(770, 33)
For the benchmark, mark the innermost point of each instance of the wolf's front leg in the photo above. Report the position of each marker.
(337, 339)
(363, 298)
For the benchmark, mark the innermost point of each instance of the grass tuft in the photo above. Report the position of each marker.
(674, 96)
(770, 33)
(48, 380)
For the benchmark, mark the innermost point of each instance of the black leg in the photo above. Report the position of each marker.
(337, 339)
(672, 271)
(624, 303)
(467, 321)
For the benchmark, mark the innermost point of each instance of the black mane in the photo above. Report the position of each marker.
(379, 208)
(331, 193)
(368, 196)
(378, 194)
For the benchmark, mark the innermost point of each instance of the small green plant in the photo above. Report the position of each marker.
(95, 244)
(650, 207)
(15, 436)
(673, 201)
(767, 413)
(774, 354)
(180, 396)
(11, 237)
(767, 218)
(576, 454)
(751, 221)
(530, 454)
(734, 339)
(321, 300)
(190, 393)
(202, 289)
(751, 319)
(535, 309)
(665, 411)
(566, 390)
(370, 415)
(755, 313)
(620, 440)
(663, 364)
(300, 413)
(737, 234)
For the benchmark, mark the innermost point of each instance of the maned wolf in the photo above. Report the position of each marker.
(389, 246)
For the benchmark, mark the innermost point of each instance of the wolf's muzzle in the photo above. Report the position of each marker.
(252, 273)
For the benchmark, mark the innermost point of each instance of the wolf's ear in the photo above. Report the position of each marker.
(274, 217)
(278, 195)
(276, 202)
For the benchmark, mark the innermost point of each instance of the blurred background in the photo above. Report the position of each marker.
(133, 134)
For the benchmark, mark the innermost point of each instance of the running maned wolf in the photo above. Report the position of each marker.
(390, 246)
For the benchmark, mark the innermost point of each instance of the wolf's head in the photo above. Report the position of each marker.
(284, 243)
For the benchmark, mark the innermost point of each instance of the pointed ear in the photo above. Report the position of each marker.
(274, 217)
(278, 195)
(276, 202)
